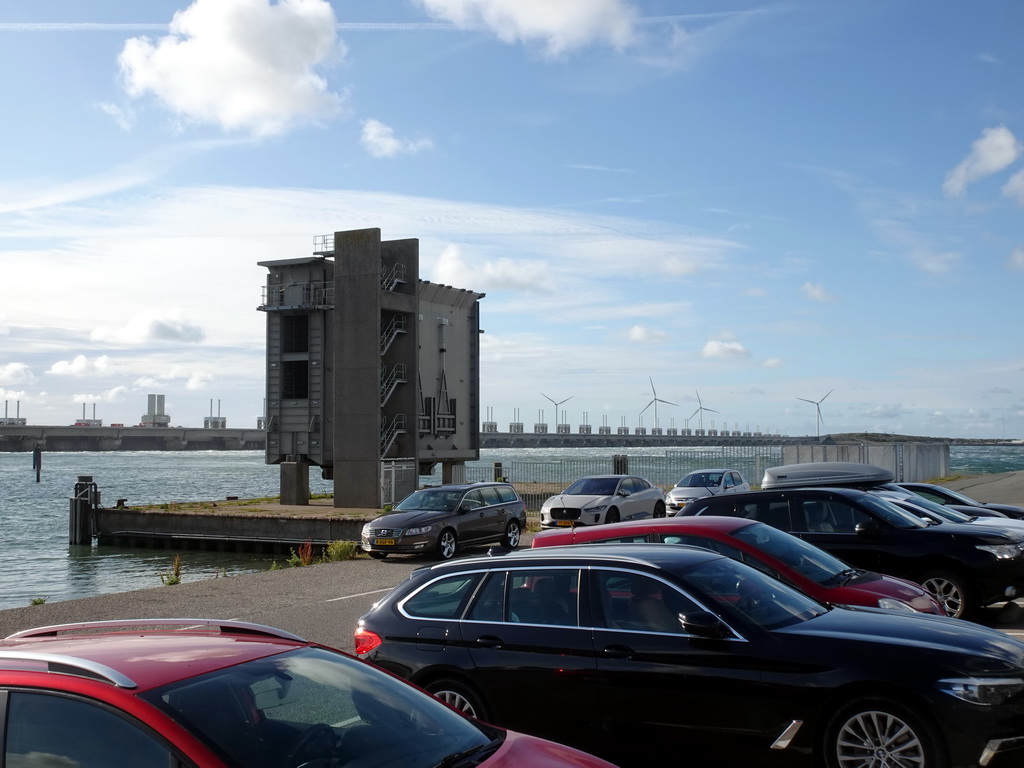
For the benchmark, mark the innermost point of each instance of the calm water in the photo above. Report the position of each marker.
(37, 562)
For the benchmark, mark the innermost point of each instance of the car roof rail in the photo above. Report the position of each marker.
(58, 663)
(222, 625)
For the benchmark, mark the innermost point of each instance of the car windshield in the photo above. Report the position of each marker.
(937, 510)
(592, 486)
(320, 709)
(737, 589)
(700, 480)
(896, 517)
(959, 498)
(429, 499)
(805, 558)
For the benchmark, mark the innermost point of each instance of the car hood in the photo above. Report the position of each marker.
(969, 648)
(411, 518)
(690, 492)
(574, 500)
(872, 586)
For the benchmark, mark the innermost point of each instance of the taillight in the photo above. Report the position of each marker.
(366, 640)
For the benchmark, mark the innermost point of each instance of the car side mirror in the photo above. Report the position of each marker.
(463, 509)
(623, 493)
(703, 624)
(867, 528)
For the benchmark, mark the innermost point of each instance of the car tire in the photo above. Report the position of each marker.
(659, 509)
(447, 544)
(951, 590)
(513, 534)
(460, 696)
(612, 515)
(866, 731)
(377, 555)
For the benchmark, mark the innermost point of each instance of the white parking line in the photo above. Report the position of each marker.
(361, 594)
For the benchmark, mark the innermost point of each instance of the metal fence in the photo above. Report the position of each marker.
(536, 480)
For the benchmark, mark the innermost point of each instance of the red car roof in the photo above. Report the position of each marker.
(581, 533)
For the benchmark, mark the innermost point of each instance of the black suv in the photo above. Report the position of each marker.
(964, 566)
(439, 519)
(647, 654)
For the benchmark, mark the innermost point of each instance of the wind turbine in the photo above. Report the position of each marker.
(817, 408)
(700, 410)
(570, 397)
(654, 401)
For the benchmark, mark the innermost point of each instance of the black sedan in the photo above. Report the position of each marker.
(641, 652)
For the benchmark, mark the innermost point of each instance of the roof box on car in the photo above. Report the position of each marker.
(834, 473)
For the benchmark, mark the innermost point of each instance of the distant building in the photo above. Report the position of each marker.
(372, 374)
(154, 415)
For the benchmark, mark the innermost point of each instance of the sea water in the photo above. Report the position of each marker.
(36, 562)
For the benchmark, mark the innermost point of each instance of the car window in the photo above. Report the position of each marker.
(641, 603)
(774, 512)
(544, 596)
(472, 500)
(507, 493)
(489, 495)
(442, 599)
(431, 499)
(489, 604)
(49, 730)
(593, 486)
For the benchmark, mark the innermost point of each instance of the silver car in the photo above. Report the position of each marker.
(440, 519)
(701, 483)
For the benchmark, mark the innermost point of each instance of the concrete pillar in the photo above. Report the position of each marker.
(294, 482)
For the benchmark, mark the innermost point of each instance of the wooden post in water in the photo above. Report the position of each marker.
(37, 460)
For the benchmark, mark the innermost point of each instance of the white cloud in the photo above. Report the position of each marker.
(817, 292)
(15, 373)
(500, 274)
(114, 395)
(995, 150)
(885, 412)
(81, 366)
(722, 348)
(772, 362)
(1014, 187)
(1016, 258)
(156, 326)
(559, 26)
(198, 381)
(380, 141)
(643, 335)
(244, 65)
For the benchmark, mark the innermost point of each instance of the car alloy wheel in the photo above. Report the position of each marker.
(612, 516)
(878, 733)
(513, 533)
(950, 590)
(458, 696)
(659, 509)
(446, 544)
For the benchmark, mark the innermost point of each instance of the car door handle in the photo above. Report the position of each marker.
(489, 641)
(618, 652)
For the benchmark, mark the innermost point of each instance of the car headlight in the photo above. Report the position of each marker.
(598, 508)
(892, 604)
(418, 531)
(1001, 551)
(366, 529)
(977, 690)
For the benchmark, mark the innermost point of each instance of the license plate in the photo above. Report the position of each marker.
(383, 542)
(564, 523)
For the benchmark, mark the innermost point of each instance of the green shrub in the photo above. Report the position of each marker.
(342, 550)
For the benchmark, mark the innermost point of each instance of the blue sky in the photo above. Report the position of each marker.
(756, 202)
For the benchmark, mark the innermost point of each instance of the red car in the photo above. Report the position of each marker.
(196, 693)
(811, 570)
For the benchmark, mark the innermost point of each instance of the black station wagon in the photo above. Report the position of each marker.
(646, 654)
